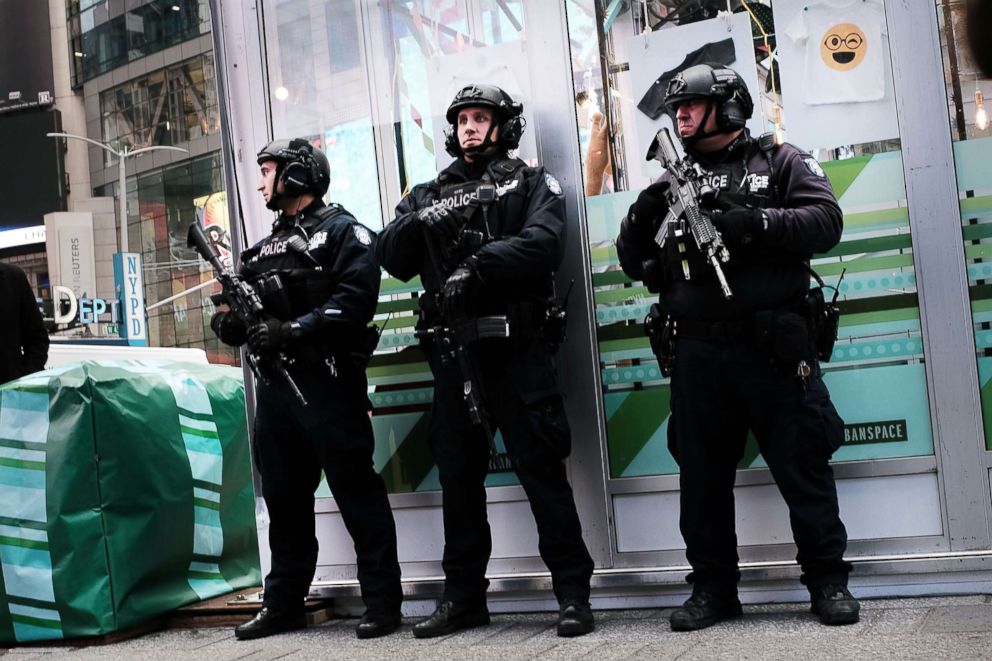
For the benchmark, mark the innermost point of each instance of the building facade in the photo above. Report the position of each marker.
(882, 93)
(145, 73)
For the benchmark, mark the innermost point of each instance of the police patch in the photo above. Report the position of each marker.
(362, 235)
(552, 183)
(813, 166)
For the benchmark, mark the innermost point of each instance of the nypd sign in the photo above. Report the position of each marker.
(131, 292)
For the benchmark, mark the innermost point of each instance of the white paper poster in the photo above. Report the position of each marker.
(654, 54)
(836, 72)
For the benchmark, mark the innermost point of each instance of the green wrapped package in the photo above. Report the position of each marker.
(125, 492)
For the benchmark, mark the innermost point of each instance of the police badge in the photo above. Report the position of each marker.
(552, 183)
(363, 235)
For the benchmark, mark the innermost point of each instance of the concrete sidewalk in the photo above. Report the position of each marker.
(928, 628)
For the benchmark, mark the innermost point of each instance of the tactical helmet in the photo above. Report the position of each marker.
(300, 166)
(507, 116)
(715, 82)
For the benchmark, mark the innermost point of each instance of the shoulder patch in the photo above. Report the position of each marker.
(362, 234)
(552, 183)
(813, 166)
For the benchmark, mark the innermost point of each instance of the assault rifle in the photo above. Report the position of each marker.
(454, 337)
(246, 305)
(688, 187)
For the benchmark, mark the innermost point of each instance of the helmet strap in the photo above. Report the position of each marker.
(700, 133)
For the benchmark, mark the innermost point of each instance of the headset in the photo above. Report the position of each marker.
(300, 170)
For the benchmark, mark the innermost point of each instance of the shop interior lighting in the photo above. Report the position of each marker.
(981, 117)
(176, 8)
(282, 93)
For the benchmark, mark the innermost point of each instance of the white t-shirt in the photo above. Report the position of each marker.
(843, 52)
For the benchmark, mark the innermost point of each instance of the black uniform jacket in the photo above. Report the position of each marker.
(803, 218)
(23, 339)
(333, 287)
(527, 232)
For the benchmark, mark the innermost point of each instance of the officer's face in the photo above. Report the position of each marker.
(267, 179)
(689, 116)
(473, 123)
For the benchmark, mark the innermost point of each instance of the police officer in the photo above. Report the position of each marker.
(319, 283)
(485, 237)
(744, 363)
(23, 338)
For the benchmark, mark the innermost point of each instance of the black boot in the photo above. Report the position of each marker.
(269, 622)
(704, 609)
(378, 622)
(834, 604)
(575, 619)
(450, 617)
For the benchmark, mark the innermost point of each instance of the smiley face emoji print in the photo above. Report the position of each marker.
(843, 47)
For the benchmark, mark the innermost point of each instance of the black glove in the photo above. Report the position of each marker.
(443, 222)
(229, 329)
(651, 204)
(740, 225)
(458, 289)
(268, 335)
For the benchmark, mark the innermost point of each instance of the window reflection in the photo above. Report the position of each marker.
(165, 107)
(103, 36)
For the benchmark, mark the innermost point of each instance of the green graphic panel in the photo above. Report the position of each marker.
(971, 159)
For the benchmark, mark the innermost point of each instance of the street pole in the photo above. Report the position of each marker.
(121, 155)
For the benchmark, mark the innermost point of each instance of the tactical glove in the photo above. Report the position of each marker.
(458, 290)
(740, 225)
(650, 206)
(229, 329)
(269, 335)
(443, 222)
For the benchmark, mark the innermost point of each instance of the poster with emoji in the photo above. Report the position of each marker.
(835, 66)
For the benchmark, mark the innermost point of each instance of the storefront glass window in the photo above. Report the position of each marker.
(370, 86)
(967, 90)
(621, 54)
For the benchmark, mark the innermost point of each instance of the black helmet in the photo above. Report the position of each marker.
(301, 167)
(506, 113)
(717, 83)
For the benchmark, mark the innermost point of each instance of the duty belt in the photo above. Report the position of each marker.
(723, 331)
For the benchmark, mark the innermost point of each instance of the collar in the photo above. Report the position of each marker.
(305, 216)
(737, 148)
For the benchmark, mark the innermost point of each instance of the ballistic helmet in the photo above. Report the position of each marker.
(300, 167)
(507, 116)
(720, 85)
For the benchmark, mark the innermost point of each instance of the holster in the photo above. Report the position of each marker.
(661, 329)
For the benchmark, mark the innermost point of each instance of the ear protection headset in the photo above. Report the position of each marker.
(300, 170)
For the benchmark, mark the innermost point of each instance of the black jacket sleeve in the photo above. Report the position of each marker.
(34, 337)
(635, 243)
(401, 247)
(348, 258)
(537, 248)
(809, 219)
